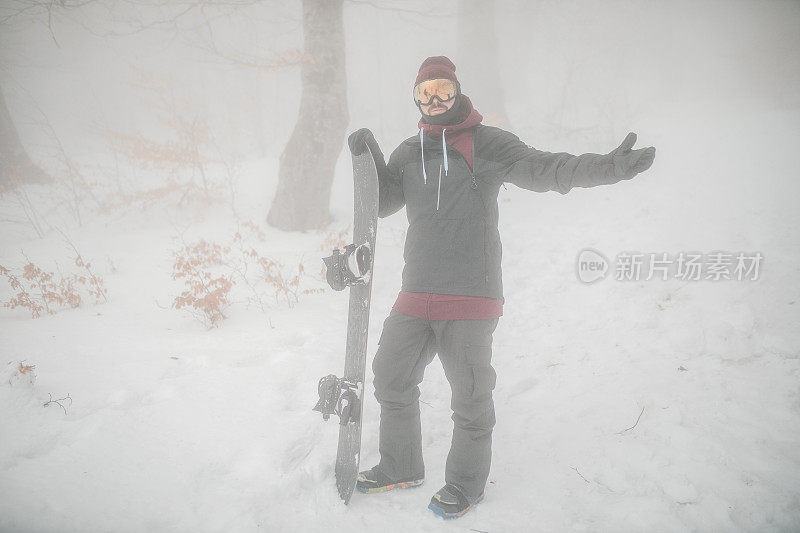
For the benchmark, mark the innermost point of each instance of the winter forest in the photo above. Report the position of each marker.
(173, 171)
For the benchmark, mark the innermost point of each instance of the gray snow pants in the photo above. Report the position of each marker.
(406, 346)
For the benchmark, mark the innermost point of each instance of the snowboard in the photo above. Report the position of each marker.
(352, 267)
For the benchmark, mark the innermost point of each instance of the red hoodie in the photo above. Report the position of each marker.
(432, 306)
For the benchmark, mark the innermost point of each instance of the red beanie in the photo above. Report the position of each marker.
(436, 67)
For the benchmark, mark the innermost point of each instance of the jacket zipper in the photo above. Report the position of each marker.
(485, 229)
(474, 181)
(439, 190)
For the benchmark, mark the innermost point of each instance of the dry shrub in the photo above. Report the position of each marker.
(332, 239)
(25, 369)
(211, 270)
(206, 293)
(272, 274)
(179, 159)
(18, 373)
(178, 162)
(254, 228)
(40, 291)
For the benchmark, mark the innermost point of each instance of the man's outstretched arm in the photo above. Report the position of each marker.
(540, 171)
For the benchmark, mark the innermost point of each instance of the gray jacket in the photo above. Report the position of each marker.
(453, 244)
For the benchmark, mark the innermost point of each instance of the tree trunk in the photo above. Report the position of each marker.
(307, 164)
(16, 167)
(477, 48)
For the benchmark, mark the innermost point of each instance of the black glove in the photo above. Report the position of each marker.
(360, 139)
(627, 162)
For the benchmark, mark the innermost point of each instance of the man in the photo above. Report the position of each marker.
(448, 177)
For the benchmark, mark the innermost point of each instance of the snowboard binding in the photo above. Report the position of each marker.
(351, 266)
(339, 396)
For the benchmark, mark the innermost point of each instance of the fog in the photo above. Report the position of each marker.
(568, 76)
(571, 71)
(146, 137)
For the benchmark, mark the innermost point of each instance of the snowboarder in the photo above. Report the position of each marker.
(448, 177)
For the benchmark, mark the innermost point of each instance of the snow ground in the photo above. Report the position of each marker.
(174, 427)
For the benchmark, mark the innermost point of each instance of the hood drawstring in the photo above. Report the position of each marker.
(444, 151)
(424, 173)
(422, 156)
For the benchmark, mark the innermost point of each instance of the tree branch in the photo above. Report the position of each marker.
(428, 13)
(633, 426)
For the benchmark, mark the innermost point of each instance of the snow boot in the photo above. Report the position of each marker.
(373, 481)
(450, 502)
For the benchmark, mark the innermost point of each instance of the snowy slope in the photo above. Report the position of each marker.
(174, 427)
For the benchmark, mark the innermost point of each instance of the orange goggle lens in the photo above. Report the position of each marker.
(443, 89)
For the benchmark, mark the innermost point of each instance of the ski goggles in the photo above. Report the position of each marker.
(441, 88)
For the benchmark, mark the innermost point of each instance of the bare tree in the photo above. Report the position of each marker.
(19, 16)
(477, 47)
(15, 166)
(308, 160)
(307, 163)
